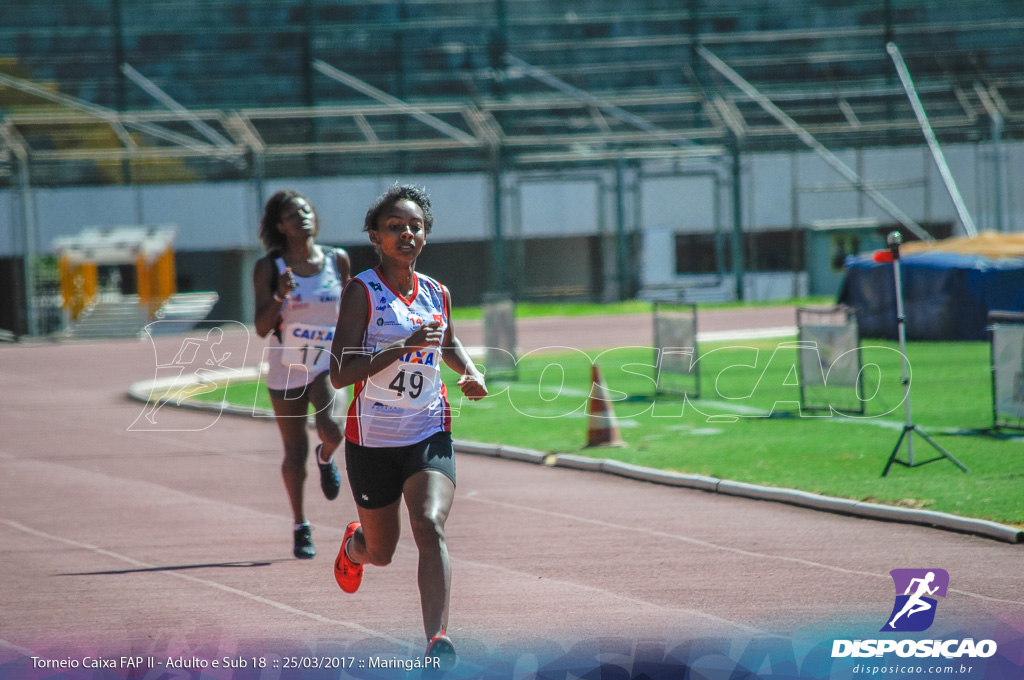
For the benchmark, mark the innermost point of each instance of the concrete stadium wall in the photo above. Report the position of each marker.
(779, 190)
(225, 215)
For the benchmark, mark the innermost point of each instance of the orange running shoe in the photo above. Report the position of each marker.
(440, 654)
(348, 574)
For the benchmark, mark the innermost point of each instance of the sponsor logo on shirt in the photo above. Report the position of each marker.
(317, 335)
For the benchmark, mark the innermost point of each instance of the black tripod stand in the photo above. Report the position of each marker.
(893, 241)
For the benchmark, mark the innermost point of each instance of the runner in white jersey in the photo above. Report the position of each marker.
(382, 407)
(393, 331)
(297, 289)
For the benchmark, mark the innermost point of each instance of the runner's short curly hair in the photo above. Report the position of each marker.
(400, 192)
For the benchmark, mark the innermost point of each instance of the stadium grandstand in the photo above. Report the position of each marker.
(587, 149)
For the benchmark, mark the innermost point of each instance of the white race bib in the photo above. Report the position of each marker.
(308, 345)
(413, 382)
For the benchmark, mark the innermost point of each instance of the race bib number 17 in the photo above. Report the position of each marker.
(307, 344)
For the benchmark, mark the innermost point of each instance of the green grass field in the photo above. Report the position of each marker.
(727, 432)
(526, 310)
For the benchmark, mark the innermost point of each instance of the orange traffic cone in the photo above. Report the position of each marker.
(601, 427)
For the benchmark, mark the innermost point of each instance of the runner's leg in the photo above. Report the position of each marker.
(375, 541)
(429, 495)
(291, 421)
(322, 396)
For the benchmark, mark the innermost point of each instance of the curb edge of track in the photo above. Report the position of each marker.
(805, 499)
(143, 390)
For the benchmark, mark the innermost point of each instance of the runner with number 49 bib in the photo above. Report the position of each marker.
(393, 332)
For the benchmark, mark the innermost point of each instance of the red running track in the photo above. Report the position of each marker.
(176, 538)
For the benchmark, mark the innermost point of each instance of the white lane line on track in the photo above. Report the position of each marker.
(168, 491)
(404, 548)
(617, 596)
(252, 597)
(10, 645)
(150, 437)
(473, 496)
(707, 544)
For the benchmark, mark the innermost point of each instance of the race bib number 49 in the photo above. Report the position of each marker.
(412, 382)
(308, 345)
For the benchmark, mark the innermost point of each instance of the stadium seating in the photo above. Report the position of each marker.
(823, 62)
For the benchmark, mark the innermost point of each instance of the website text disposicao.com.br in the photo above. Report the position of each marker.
(959, 656)
(901, 670)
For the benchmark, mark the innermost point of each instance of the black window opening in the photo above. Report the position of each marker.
(763, 251)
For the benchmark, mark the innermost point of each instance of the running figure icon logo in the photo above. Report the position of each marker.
(914, 609)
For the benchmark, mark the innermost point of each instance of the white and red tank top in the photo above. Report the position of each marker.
(406, 402)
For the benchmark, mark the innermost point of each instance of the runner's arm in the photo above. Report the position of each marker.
(471, 380)
(343, 265)
(269, 302)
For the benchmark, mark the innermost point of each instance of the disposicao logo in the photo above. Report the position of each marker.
(914, 609)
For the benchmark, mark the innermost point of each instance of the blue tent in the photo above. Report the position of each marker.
(946, 296)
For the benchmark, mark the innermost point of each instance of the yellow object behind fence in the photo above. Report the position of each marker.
(78, 284)
(149, 249)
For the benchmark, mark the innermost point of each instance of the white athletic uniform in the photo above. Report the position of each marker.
(300, 347)
(406, 402)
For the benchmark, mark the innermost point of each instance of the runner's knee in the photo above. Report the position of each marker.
(295, 457)
(428, 529)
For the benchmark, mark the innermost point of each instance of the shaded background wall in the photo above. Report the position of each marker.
(559, 242)
(591, 204)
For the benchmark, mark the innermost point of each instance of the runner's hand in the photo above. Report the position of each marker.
(285, 283)
(424, 336)
(473, 386)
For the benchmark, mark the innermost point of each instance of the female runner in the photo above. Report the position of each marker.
(297, 288)
(393, 331)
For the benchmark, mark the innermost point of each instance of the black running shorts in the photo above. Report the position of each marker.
(377, 474)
